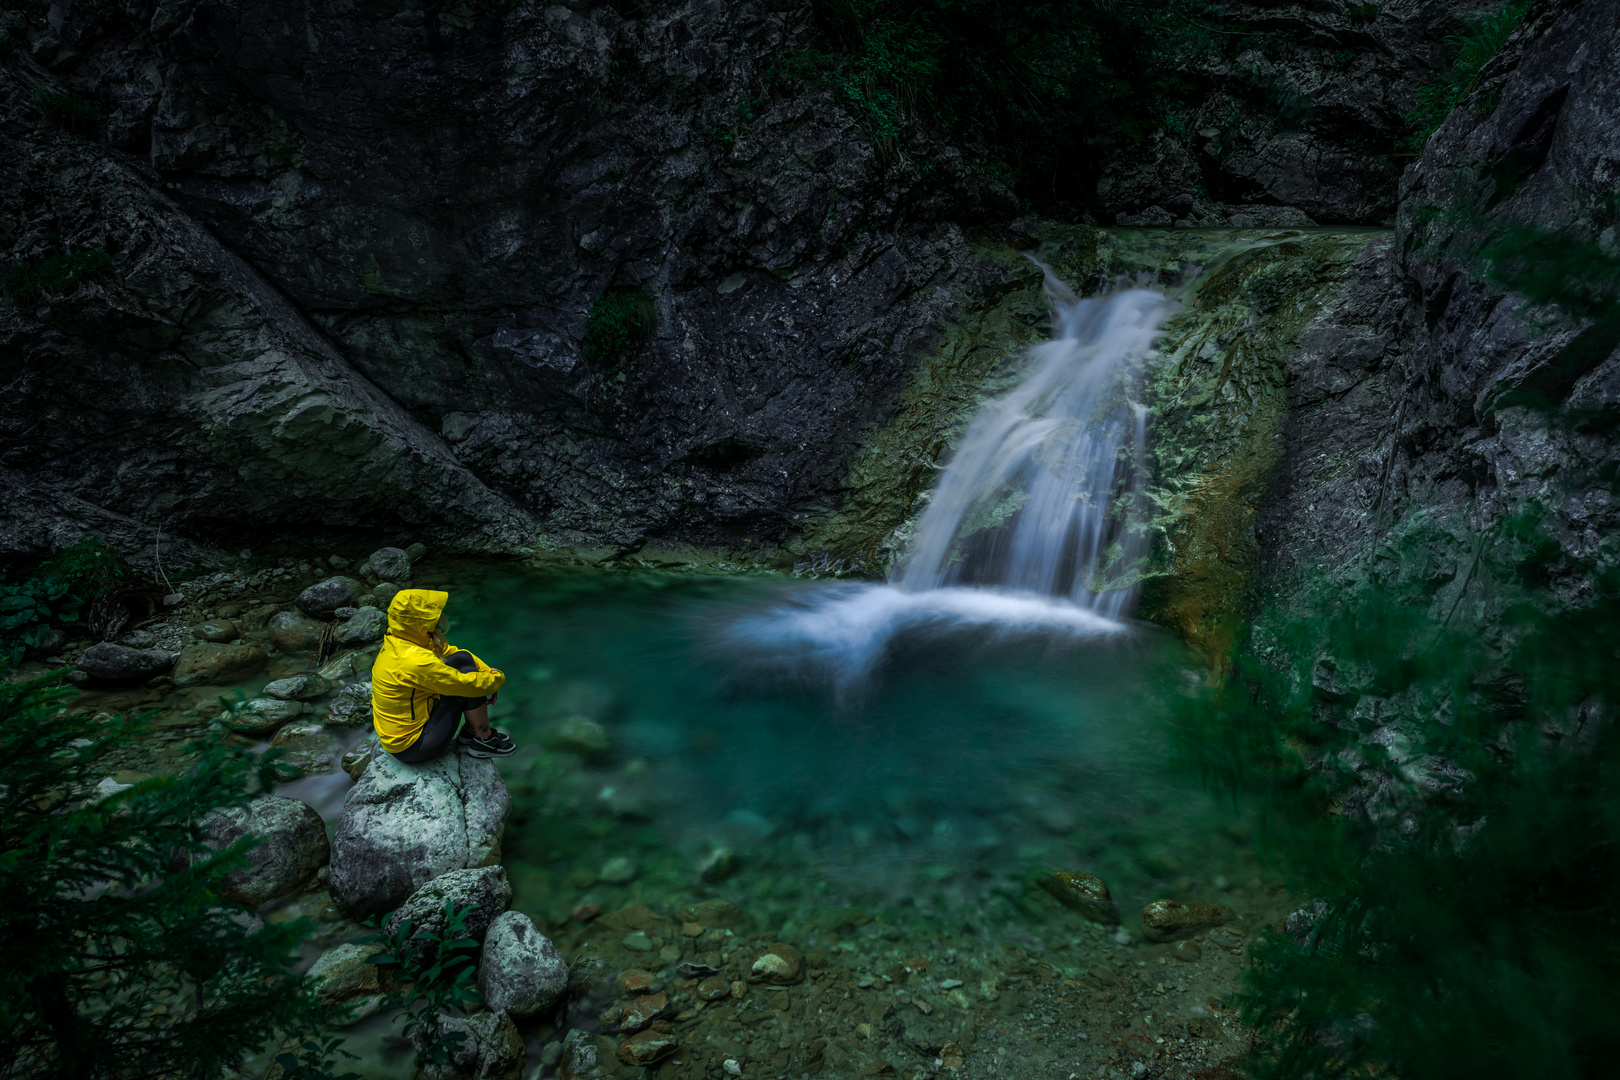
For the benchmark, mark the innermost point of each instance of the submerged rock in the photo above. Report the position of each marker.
(354, 762)
(618, 870)
(580, 735)
(352, 707)
(718, 914)
(292, 632)
(107, 662)
(484, 888)
(298, 687)
(647, 1048)
(780, 964)
(490, 1047)
(586, 1057)
(1167, 920)
(329, 595)
(292, 847)
(521, 972)
(261, 716)
(404, 825)
(308, 747)
(218, 665)
(365, 627)
(1086, 894)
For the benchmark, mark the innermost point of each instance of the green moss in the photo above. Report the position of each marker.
(617, 324)
(58, 274)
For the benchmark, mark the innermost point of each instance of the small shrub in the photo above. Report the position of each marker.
(438, 971)
(1483, 39)
(87, 567)
(58, 274)
(617, 324)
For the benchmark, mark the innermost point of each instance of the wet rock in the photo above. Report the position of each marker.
(1186, 950)
(416, 551)
(339, 667)
(307, 746)
(719, 914)
(107, 662)
(693, 970)
(642, 1011)
(352, 706)
(344, 975)
(1301, 923)
(639, 981)
(329, 595)
(1086, 894)
(647, 1048)
(138, 639)
(217, 630)
(298, 687)
(383, 593)
(292, 847)
(520, 971)
(637, 941)
(713, 988)
(354, 762)
(718, 864)
(484, 887)
(618, 870)
(586, 1057)
(364, 627)
(780, 964)
(1167, 920)
(388, 564)
(403, 825)
(490, 1048)
(260, 716)
(582, 736)
(1226, 939)
(292, 632)
(218, 665)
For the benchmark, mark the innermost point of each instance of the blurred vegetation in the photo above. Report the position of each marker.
(1484, 37)
(54, 596)
(58, 274)
(617, 324)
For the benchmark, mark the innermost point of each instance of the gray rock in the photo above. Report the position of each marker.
(218, 665)
(345, 980)
(139, 639)
(404, 825)
(365, 627)
(580, 735)
(339, 667)
(327, 596)
(298, 687)
(485, 887)
(343, 614)
(292, 632)
(587, 1057)
(388, 564)
(520, 970)
(107, 662)
(383, 594)
(217, 630)
(260, 716)
(490, 1048)
(308, 747)
(354, 762)
(352, 706)
(293, 847)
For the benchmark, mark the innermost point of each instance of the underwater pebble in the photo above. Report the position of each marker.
(637, 941)
(643, 1011)
(647, 1048)
(1186, 950)
(1166, 920)
(713, 988)
(297, 687)
(780, 963)
(580, 735)
(617, 870)
(1085, 894)
(639, 981)
(217, 630)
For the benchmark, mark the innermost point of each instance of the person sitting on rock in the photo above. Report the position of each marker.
(421, 685)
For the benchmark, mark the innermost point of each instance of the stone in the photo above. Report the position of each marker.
(138, 639)
(1085, 894)
(218, 665)
(639, 981)
(383, 593)
(1188, 951)
(345, 973)
(416, 551)
(580, 735)
(719, 914)
(618, 870)
(307, 746)
(713, 988)
(586, 1057)
(297, 687)
(490, 1048)
(293, 632)
(365, 627)
(355, 760)
(217, 630)
(780, 964)
(327, 596)
(647, 1048)
(388, 564)
(261, 716)
(1167, 920)
(642, 1011)
(107, 662)
(637, 941)
(339, 667)
(352, 706)
(485, 888)
(719, 863)
(292, 847)
(342, 614)
(404, 825)
(520, 971)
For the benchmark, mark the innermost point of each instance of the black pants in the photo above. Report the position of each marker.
(443, 720)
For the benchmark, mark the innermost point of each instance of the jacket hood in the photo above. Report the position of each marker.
(413, 613)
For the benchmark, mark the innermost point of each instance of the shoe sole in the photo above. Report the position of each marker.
(470, 752)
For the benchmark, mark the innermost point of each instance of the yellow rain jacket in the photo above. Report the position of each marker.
(408, 676)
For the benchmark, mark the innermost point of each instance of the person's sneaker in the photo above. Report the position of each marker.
(497, 745)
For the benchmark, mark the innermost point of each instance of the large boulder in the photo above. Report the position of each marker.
(107, 662)
(490, 1047)
(327, 596)
(521, 972)
(218, 665)
(293, 632)
(364, 627)
(344, 979)
(404, 825)
(292, 847)
(352, 706)
(388, 564)
(483, 887)
(301, 687)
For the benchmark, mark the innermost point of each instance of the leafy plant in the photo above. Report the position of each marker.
(437, 971)
(119, 958)
(28, 610)
(314, 1058)
(88, 566)
(618, 322)
(1482, 39)
(58, 274)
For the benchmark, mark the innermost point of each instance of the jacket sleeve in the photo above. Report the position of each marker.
(441, 678)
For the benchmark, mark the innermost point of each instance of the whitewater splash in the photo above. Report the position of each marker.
(1035, 526)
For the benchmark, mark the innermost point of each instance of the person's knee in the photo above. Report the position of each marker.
(461, 660)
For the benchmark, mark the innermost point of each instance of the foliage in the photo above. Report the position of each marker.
(68, 110)
(438, 972)
(1551, 268)
(617, 324)
(118, 956)
(1482, 39)
(58, 274)
(314, 1058)
(88, 566)
(28, 611)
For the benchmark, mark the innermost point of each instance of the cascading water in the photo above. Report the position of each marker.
(1035, 523)
(1042, 495)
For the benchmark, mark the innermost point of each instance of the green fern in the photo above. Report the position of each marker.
(1484, 37)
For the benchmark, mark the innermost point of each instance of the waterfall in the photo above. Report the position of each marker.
(1043, 495)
